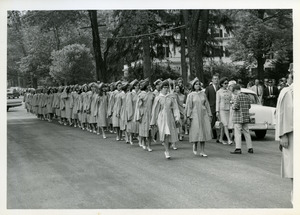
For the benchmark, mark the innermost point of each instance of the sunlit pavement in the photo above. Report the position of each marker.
(61, 167)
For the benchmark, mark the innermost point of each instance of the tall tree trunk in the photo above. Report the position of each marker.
(188, 26)
(146, 58)
(100, 67)
(196, 26)
(182, 54)
(56, 36)
(260, 59)
(35, 84)
(260, 67)
(200, 39)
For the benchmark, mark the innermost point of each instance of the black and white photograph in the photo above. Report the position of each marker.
(149, 107)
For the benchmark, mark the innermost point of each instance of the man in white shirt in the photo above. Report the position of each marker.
(258, 89)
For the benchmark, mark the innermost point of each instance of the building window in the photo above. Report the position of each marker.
(217, 51)
(162, 52)
(227, 53)
(167, 51)
(218, 33)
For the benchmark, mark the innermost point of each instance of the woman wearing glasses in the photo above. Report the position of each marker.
(223, 107)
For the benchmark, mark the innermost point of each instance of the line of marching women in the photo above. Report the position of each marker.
(131, 110)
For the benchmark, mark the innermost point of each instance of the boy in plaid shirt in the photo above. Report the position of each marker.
(241, 119)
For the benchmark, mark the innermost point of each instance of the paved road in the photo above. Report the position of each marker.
(51, 166)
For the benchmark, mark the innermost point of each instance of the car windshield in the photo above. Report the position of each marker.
(253, 98)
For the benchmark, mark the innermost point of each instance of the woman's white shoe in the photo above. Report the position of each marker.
(167, 155)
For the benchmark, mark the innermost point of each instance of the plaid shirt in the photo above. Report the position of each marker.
(241, 108)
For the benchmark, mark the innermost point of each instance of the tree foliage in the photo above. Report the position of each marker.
(146, 46)
(262, 34)
(139, 37)
(72, 65)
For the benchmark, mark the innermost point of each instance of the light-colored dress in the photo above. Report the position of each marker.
(115, 104)
(109, 106)
(102, 105)
(82, 113)
(164, 114)
(80, 106)
(38, 101)
(88, 100)
(122, 110)
(62, 105)
(231, 111)
(223, 98)
(75, 105)
(198, 110)
(34, 103)
(50, 98)
(54, 103)
(93, 108)
(143, 112)
(131, 99)
(67, 100)
(44, 103)
(180, 101)
(57, 105)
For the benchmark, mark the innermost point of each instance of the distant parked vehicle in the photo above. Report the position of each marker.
(12, 93)
(262, 117)
(13, 103)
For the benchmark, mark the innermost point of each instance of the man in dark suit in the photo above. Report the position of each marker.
(270, 95)
(210, 92)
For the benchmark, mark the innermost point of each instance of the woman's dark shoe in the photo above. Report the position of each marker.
(250, 150)
(236, 151)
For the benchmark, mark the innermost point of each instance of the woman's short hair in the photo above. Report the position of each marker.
(236, 87)
(222, 80)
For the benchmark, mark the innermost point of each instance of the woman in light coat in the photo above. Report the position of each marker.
(102, 105)
(223, 98)
(131, 99)
(113, 110)
(199, 117)
(143, 114)
(166, 115)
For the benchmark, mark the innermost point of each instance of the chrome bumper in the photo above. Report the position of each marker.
(262, 126)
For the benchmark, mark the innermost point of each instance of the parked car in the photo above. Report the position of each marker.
(262, 117)
(13, 103)
(12, 93)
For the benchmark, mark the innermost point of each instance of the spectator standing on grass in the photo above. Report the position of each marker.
(241, 119)
(284, 131)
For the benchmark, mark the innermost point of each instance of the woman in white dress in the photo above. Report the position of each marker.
(166, 115)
